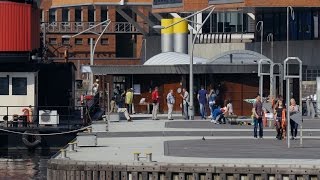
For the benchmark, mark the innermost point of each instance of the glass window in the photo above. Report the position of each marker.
(104, 13)
(104, 41)
(4, 85)
(65, 15)
(65, 41)
(93, 41)
(19, 86)
(52, 15)
(41, 15)
(91, 14)
(78, 41)
(52, 40)
(78, 15)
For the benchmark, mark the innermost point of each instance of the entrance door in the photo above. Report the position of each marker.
(177, 89)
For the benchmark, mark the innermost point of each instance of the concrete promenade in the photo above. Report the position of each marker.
(188, 150)
(222, 144)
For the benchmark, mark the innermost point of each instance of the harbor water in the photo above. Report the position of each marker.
(24, 164)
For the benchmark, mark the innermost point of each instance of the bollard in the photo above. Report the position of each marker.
(63, 153)
(136, 156)
(149, 157)
(71, 146)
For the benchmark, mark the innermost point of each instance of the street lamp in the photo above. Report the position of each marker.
(260, 29)
(92, 47)
(191, 104)
(289, 8)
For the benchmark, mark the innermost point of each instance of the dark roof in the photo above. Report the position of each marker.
(174, 69)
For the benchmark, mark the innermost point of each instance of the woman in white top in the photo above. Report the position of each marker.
(294, 125)
(229, 107)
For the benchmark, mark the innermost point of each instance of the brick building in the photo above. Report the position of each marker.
(121, 44)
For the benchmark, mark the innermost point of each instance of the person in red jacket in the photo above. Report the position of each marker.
(155, 103)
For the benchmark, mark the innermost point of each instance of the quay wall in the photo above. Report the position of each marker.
(66, 169)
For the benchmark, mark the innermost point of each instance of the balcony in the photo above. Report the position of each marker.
(167, 3)
(76, 27)
(225, 1)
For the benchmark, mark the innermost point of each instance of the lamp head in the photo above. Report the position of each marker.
(66, 36)
(158, 27)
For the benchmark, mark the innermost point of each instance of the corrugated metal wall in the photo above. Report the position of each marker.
(19, 27)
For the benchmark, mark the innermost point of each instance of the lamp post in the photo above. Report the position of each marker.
(260, 29)
(191, 104)
(270, 39)
(92, 47)
(289, 8)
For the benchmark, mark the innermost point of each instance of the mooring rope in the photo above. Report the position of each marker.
(46, 134)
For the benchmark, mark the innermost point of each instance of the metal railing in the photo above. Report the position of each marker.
(224, 38)
(65, 116)
(76, 27)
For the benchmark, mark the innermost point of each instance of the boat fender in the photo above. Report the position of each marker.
(36, 139)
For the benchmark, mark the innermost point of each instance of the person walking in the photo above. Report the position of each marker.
(202, 98)
(155, 103)
(129, 100)
(212, 102)
(294, 108)
(258, 114)
(185, 102)
(280, 117)
(170, 103)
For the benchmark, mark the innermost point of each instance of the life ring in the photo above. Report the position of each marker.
(31, 141)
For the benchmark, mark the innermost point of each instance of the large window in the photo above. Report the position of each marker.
(91, 14)
(4, 85)
(52, 15)
(19, 86)
(65, 15)
(104, 13)
(78, 15)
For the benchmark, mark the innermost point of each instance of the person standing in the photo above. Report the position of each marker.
(280, 118)
(185, 102)
(258, 114)
(212, 102)
(129, 100)
(202, 98)
(294, 108)
(155, 103)
(170, 103)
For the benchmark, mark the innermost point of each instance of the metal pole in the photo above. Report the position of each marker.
(287, 32)
(261, 86)
(261, 36)
(91, 64)
(191, 104)
(300, 101)
(288, 109)
(108, 101)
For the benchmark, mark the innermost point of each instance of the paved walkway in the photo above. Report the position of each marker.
(227, 144)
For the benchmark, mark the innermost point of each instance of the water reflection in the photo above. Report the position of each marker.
(24, 164)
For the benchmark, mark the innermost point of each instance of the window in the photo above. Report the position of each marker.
(41, 16)
(93, 42)
(78, 15)
(65, 41)
(52, 15)
(104, 13)
(104, 41)
(4, 85)
(78, 41)
(91, 14)
(52, 40)
(19, 86)
(65, 15)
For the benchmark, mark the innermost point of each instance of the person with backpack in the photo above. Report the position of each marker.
(155, 103)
